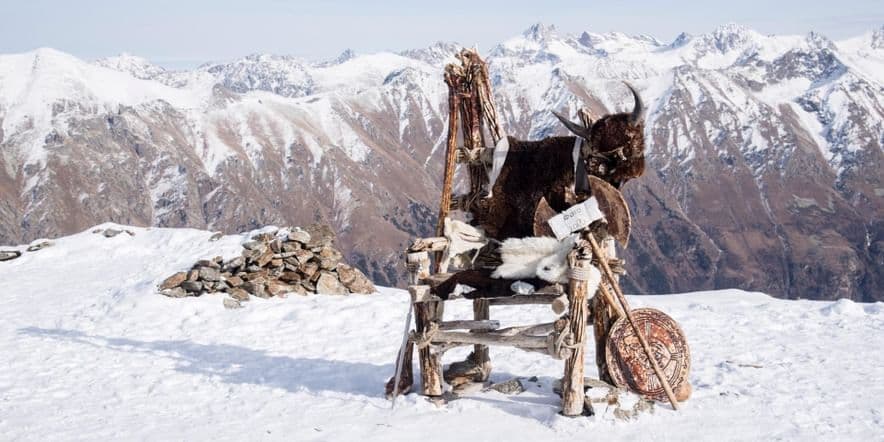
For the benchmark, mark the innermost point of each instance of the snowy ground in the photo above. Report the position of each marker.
(90, 352)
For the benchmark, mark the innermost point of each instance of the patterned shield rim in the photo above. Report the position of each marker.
(627, 363)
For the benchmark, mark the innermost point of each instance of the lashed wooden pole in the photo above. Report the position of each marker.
(597, 251)
(453, 80)
(573, 395)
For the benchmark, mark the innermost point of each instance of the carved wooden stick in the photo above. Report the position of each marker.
(573, 395)
(597, 251)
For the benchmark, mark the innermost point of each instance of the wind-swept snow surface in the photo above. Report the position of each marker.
(90, 352)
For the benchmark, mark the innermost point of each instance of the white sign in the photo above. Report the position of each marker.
(575, 218)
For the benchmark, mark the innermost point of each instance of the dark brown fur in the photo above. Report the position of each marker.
(614, 132)
(545, 169)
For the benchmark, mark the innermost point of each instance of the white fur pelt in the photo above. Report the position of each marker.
(462, 240)
(534, 257)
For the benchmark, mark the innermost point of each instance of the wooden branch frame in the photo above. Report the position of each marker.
(477, 325)
(563, 339)
(472, 112)
(535, 299)
(489, 338)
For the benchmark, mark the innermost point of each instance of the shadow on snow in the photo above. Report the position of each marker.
(240, 365)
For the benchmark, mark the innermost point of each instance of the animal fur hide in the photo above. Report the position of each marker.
(534, 257)
(463, 239)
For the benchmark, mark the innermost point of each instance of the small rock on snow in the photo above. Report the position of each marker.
(174, 281)
(512, 386)
(231, 304)
(39, 244)
(176, 292)
(7, 255)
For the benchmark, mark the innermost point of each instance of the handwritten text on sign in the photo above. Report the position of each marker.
(575, 218)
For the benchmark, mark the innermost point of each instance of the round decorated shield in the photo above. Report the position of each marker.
(628, 364)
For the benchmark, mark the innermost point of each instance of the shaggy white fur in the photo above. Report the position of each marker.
(541, 257)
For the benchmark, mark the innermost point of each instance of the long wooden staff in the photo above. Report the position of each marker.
(597, 251)
(453, 80)
(400, 358)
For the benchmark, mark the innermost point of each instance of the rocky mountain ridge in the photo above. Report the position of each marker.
(765, 152)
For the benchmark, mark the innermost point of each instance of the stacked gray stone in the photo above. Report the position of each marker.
(300, 261)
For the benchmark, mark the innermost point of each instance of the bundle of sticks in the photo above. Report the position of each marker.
(470, 101)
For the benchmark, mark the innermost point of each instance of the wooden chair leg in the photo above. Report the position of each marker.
(406, 382)
(481, 355)
(602, 320)
(426, 313)
(418, 264)
(572, 384)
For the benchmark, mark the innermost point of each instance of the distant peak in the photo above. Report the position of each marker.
(348, 54)
(125, 58)
(591, 40)
(138, 67)
(539, 32)
(731, 28)
(437, 53)
(445, 45)
(259, 57)
(585, 39)
(681, 39)
(878, 38)
(729, 36)
(268, 57)
(820, 41)
(648, 39)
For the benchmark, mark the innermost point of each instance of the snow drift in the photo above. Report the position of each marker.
(91, 352)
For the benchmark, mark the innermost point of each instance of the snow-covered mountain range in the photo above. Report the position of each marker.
(765, 151)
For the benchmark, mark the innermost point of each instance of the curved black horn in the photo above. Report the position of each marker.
(639, 110)
(575, 128)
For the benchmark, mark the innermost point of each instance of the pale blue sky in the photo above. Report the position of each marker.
(186, 33)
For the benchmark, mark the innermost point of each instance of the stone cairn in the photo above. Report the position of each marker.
(300, 261)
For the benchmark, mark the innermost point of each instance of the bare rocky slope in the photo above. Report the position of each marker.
(765, 151)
